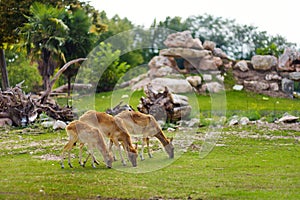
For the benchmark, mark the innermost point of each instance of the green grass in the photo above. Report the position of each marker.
(248, 162)
(237, 168)
(231, 103)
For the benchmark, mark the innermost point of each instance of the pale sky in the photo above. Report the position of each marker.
(275, 17)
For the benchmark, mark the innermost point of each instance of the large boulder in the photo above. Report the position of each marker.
(207, 64)
(195, 81)
(184, 53)
(174, 85)
(214, 87)
(161, 72)
(258, 85)
(295, 76)
(287, 59)
(287, 86)
(242, 65)
(183, 39)
(264, 63)
(160, 61)
(209, 45)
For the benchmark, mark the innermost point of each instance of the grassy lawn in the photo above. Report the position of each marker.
(248, 162)
(237, 168)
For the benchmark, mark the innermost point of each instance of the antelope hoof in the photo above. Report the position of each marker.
(142, 158)
(150, 155)
(71, 166)
(97, 162)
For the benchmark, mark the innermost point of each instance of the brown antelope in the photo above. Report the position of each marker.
(81, 132)
(115, 130)
(137, 123)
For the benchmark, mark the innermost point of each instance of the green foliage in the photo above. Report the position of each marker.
(115, 26)
(102, 68)
(20, 69)
(272, 49)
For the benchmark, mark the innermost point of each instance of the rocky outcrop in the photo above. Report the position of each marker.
(204, 66)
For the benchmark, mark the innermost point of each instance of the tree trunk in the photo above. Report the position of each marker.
(69, 86)
(5, 83)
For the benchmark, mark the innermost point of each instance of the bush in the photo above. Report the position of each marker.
(19, 68)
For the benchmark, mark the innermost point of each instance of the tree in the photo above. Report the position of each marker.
(44, 34)
(80, 41)
(116, 25)
(103, 68)
(12, 15)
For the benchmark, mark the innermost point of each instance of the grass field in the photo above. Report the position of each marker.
(248, 162)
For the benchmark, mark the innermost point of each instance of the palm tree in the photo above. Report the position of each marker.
(80, 42)
(44, 35)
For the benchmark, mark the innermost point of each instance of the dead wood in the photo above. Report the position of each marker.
(164, 105)
(46, 94)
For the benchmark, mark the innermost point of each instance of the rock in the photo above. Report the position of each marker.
(161, 72)
(207, 77)
(47, 124)
(138, 78)
(184, 53)
(238, 87)
(220, 78)
(274, 87)
(197, 44)
(160, 61)
(170, 129)
(273, 76)
(218, 61)
(194, 122)
(207, 64)
(287, 86)
(59, 125)
(5, 122)
(174, 85)
(219, 53)
(141, 84)
(287, 118)
(242, 65)
(286, 59)
(234, 120)
(214, 87)
(264, 63)
(182, 39)
(195, 81)
(295, 76)
(259, 85)
(244, 121)
(209, 45)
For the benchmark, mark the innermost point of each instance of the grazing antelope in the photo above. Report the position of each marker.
(115, 130)
(137, 123)
(81, 132)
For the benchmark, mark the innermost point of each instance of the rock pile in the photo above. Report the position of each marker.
(269, 75)
(183, 57)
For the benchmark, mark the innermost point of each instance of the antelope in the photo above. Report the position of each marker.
(81, 132)
(114, 129)
(137, 123)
